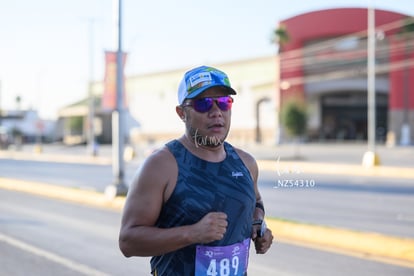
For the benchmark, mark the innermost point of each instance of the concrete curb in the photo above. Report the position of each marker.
(389, 249)
(269, 165)
(63, 158)
(86, 197)
(335, 168)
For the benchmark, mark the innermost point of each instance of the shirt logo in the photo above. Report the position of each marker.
(236, 174)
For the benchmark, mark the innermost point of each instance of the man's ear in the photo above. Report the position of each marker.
(180, 112)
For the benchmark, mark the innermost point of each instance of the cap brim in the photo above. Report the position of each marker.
(204, 88)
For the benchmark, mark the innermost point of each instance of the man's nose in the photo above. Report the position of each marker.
(215, 109)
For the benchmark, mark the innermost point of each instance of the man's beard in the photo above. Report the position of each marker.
(205, 141)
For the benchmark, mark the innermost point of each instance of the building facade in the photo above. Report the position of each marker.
(152, 99)
(323, 61)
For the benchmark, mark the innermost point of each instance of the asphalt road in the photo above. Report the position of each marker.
(372, 204)
(41, 236)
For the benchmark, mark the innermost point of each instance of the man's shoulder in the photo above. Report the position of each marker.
(241, 152)
(249, 161)
(161, 157)
(247, 157)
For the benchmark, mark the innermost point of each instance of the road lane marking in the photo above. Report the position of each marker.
(86, 270)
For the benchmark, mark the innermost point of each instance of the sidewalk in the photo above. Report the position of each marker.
(338, 153)
(329, 158)
(335, 158)
(314, 158)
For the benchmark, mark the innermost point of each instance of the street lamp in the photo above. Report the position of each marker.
(1, 112)
(118, 187)
(92, 149)
(370, 157)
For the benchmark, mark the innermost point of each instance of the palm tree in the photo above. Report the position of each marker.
(280, 36)
(18, 102)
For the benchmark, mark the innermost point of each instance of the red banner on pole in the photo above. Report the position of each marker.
(109, 94)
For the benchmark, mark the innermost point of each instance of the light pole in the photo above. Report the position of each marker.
(370, 157)
(118, 187)
(1, 111)
(92, 149)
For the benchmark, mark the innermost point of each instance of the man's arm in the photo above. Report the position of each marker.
(149, 190)
(263, 241)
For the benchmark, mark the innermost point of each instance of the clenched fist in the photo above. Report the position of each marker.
(211, 227)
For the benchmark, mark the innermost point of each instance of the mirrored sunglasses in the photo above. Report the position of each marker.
(203, 105)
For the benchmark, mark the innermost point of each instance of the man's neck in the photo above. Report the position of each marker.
(212, 153)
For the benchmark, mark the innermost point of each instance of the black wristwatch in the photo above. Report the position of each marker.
(263, 227)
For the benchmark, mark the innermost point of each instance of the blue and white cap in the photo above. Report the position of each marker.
(199, 79)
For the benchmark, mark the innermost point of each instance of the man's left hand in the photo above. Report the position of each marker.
(262, 244)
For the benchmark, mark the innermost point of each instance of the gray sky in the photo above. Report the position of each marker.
(45, 44)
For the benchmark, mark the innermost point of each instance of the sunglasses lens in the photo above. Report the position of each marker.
(224, 103)
(203, 104)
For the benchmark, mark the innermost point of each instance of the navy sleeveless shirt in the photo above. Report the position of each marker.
(204, 187)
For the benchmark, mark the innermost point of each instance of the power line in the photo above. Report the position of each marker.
(350, 73)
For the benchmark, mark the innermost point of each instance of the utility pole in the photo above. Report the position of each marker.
(118, 187)
(370, 157)
(92, 147)
(1, 111)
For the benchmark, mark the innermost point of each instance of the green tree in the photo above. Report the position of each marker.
(294, 119)
(75, 125)
(280, 35)
(18, 102)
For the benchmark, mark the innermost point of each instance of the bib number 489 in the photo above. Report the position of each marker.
(228, 260)
(225, 267)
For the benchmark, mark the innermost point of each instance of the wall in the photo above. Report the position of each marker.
(152, 99)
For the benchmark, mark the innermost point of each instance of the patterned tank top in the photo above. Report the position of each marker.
(204, 187)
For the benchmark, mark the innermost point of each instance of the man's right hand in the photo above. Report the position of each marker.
(211, 227)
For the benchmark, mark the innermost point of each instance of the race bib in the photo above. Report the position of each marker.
(230, 260)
